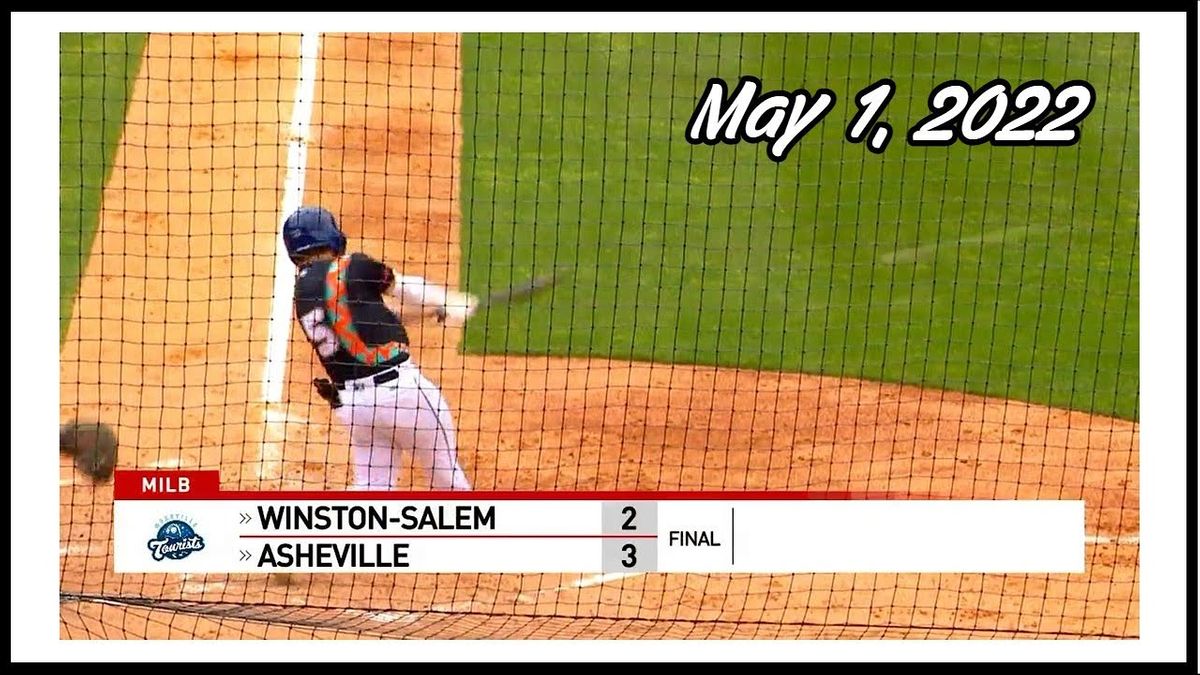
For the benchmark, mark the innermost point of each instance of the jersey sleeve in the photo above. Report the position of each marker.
(369, 276)
(416, 292)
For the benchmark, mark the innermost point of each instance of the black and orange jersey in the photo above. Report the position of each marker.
(340, 307)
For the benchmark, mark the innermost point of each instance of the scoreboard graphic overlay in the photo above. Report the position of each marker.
(703, 532)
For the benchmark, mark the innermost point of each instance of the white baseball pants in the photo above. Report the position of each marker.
(394, 423)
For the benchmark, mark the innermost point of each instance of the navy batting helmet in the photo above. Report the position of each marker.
(311, 228)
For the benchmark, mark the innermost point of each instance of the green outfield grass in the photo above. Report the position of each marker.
(997, 270)
(96, 73)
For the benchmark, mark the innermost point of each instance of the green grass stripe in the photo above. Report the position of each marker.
(96, 75)
(996, 270)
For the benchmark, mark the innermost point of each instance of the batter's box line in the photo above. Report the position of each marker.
(587, 581)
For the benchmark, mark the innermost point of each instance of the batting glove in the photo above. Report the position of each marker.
(458, 308)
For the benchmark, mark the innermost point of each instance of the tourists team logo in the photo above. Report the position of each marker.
(176, 539)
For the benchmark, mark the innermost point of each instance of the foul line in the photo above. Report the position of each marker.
(279, 328)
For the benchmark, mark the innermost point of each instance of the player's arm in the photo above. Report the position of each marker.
(417, 295)
(451, 307)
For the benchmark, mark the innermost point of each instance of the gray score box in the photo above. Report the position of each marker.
(629, 518)
(629, 555)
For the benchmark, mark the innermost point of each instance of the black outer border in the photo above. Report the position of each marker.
(1191, 446)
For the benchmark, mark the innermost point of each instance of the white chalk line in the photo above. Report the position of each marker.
(199, 587)
(88, 549)
(391, 617)
(1104, 539)
(598, 579)
(587, 581)
(270, 459)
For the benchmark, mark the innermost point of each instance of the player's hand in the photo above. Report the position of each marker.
(327, 391)
(458, 308)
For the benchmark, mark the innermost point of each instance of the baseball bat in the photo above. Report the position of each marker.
(519, 292)
(515, 293)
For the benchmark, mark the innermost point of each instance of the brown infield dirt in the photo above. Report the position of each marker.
(168, 343)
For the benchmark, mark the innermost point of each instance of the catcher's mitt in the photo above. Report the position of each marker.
(93, 445)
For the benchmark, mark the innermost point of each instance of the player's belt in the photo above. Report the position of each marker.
(374, 380)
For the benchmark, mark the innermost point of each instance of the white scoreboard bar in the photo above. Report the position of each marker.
(186, 524)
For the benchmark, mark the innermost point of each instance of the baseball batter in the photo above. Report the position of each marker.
(394, 414)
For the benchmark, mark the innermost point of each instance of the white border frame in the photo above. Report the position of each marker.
(1163, 333)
